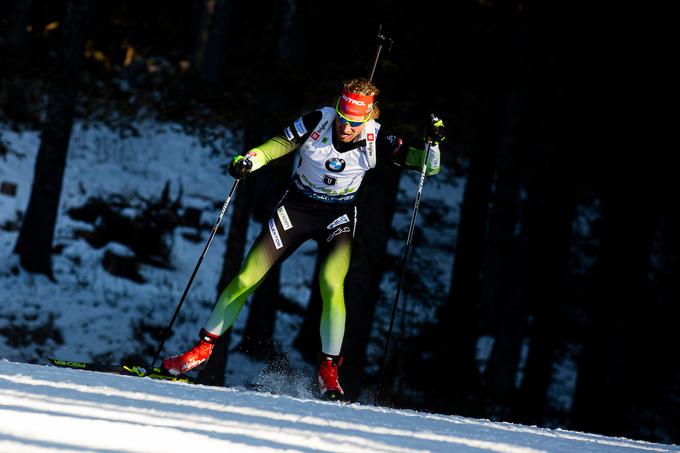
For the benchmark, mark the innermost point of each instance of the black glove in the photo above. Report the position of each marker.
(435, 131)
(240, 167)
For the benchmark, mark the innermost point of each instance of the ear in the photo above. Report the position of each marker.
(375, 113)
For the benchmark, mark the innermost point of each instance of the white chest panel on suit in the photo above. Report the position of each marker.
(328, 172)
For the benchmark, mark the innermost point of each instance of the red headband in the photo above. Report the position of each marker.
(354, 104)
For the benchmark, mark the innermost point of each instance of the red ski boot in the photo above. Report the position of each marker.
(195, 356)
(329, 386)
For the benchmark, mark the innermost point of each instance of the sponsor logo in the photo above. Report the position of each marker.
(317, 133)
(308, 191)
(283, 217)
(324, 140)
(339, 221)
(278, 243)
(251, 154)
(370, 137)
(70, 364)
(370, 150)
(300, 127)
(288, 133)
(329, 180)
(338, 232)
(335, 164)
(352, 101)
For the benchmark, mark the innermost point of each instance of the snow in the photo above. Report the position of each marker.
(49, 409)
(96, 311)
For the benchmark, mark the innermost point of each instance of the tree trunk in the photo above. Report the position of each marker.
(19, 14)
(614, 368)
(456, 385)
(504, 285)
(612, 372)
(210, 39)
(459, 317)
(287, 12)
(663, 341)
(552, 194)
(17, 103)
(34, 245)
(503, 292)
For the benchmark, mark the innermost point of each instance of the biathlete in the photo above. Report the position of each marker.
(337, 146)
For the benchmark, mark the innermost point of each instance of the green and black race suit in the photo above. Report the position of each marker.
(319, 205)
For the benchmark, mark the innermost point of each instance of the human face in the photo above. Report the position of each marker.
(345, 132)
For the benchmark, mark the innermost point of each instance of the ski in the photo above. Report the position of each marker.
(125, 370)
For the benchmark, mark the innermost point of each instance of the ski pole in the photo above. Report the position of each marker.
(382, 40)
(409, 240)
(193, 274)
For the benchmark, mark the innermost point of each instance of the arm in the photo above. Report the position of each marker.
(273, 148)
(414, 158)
(391, 147)
(277, 146)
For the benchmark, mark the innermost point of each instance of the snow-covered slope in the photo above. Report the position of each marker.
(48, 409)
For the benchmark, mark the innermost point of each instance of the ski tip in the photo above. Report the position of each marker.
(65, 363)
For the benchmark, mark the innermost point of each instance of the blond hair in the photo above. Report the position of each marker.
(363, 86)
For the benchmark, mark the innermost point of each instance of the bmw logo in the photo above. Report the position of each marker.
(335, 164)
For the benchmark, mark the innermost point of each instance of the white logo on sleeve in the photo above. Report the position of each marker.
(288, 133)
(339, 221)
(274, 232)
(300, 127)
(283, 217)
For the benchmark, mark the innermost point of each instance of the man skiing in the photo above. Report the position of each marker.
(337, 145)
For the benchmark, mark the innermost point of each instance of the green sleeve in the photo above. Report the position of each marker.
(273, 148)
(414, 160)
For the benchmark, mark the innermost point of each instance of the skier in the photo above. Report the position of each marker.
(337, 145)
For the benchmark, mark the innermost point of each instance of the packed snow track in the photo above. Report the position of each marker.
(49, 409)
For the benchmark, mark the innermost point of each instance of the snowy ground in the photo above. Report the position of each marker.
(48, 409)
